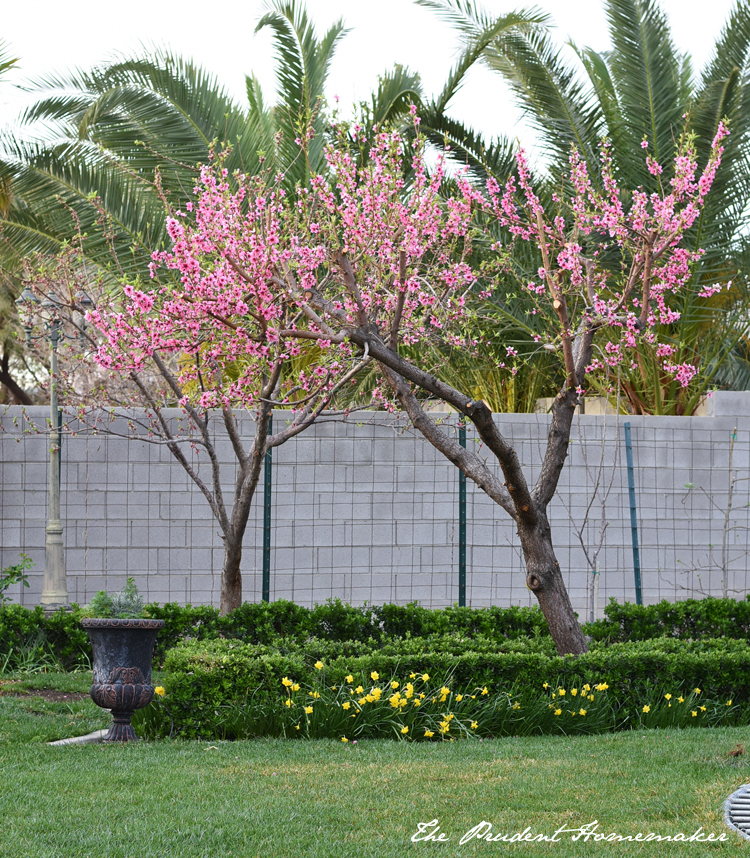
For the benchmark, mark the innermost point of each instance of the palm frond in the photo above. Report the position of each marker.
(6, 61)
(397, 90)
(649, 76)
(303, 65)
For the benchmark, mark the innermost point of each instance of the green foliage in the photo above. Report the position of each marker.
(336, 630)
(692, 619)
(124, 604)
(214, 688)
(14, 575)
(28, 638)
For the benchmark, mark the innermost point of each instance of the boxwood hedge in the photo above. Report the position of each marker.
(203, 677)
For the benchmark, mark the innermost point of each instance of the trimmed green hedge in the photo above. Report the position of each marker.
(204, 677)
(27, 635)
(692, 619)
(267, 623)
(60, 638)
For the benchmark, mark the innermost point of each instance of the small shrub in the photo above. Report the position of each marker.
(14, 575)
(122, 605)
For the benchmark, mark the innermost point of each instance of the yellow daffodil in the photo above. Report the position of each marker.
(667, 696)
(558, 711)
(602, 686)
(425, 677)
(394, 685)
(375, 676)
(404, 731)
(586, 688)
(516, 705)
(574, 691)
(582, 711)
(160, 690)
(286, 682)
(350, 679)
(428, 734)
(680, 699)
(474, 725)
(485, 691)
(362, 701)
(703, 708)
(376, 693)
(308, 710)
(346, 705)
(729, 702)
(394, 700)
(318, 665)
(561, 692)
(545, 685)
(646, 709)
(295, 687)
(296, 726)
(412, 676)
(459, 698)
(697, 690)
(359, 689)
(694, 713)
(288, 702)
(344, 739)
(417, 701)
(370, 698)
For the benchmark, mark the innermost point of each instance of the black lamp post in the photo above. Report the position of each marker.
(46, 315)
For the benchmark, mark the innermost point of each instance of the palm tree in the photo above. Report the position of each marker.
(130, 134)
(11, 355)
(643, 88)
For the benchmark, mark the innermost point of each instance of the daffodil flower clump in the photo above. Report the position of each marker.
(419, 707)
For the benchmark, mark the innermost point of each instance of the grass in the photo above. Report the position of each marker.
(326, 798)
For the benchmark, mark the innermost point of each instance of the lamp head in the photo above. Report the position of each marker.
(28, 306)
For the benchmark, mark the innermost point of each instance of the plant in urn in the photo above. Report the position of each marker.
(122, 641)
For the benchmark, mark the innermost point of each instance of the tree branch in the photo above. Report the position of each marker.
(469, 463)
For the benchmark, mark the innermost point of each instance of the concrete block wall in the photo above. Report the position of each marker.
(367, 511)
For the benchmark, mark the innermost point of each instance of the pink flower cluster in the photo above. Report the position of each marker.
(253, 277)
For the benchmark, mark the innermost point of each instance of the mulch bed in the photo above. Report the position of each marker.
(47, 693)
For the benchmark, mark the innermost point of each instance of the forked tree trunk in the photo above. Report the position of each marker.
(544, 579)
(527, 508)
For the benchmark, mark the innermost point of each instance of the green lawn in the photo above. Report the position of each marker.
(325, 798)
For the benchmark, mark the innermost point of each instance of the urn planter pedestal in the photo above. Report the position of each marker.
(122, 669)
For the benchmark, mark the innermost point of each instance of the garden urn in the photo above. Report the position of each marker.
(122, 649)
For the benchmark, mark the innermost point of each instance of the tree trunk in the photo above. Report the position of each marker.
(544, 579)
(231, 576)
(6, 379)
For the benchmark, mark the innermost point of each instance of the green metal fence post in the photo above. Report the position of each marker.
(462, 520)
(633, 518)
(267, 462)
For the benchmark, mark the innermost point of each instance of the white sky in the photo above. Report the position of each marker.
(55, 35)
